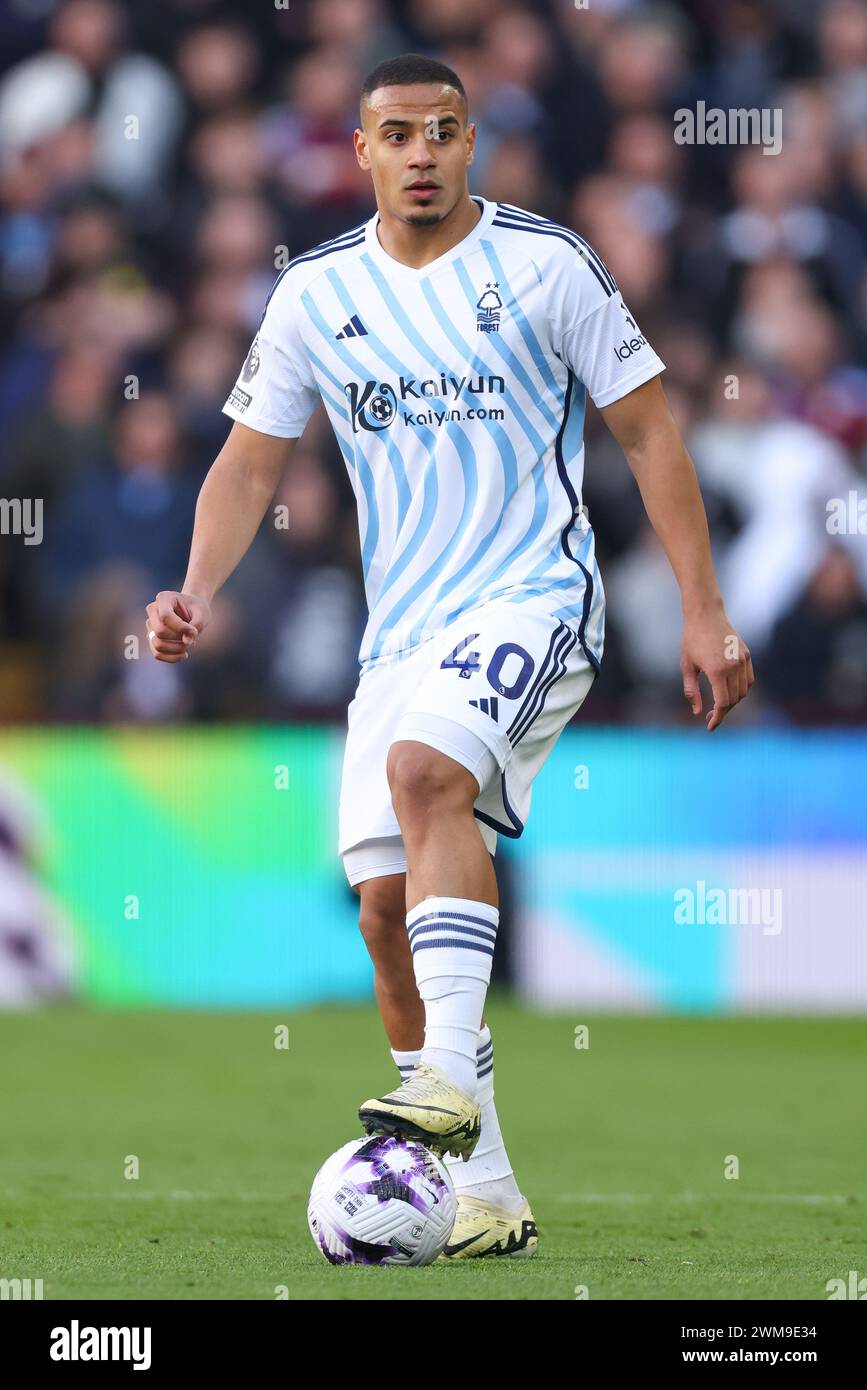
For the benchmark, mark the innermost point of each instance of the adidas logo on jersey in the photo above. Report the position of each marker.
(353, 329)
(488, 705)
(629, 346)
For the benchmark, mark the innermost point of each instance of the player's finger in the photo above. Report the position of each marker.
(165, 612)
(165, 619)
(167, 651)
(165, 631)
(751, 675)
(742, 682)
(721, 700)
(164, 634)
(160, 656)
(733, 682)
(691, 688)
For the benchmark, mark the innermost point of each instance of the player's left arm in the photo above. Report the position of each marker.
(644, 427)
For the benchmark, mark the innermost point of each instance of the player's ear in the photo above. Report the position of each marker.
(471, 142)
(359, 140)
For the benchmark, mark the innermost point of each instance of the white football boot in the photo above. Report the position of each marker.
(483, 1229)
(429, 1107)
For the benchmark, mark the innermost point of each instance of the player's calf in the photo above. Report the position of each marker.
(382, 922)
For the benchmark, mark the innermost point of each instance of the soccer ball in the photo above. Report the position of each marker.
(382, 1201)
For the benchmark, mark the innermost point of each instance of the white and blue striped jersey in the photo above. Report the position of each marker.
(457, 393)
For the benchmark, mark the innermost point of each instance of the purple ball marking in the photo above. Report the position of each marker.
(390, 1187)
(365, 1253)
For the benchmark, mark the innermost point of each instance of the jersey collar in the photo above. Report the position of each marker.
(382, 258)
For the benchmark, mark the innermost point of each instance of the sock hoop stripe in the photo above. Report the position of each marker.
(449, 928)
(484, 1071)
(446, 941)
(484, 1052)
(445, 916)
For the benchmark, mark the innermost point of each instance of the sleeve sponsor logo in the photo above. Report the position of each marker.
(251, 362)
(630, 345)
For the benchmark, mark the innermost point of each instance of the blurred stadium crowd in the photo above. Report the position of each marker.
(153, 157)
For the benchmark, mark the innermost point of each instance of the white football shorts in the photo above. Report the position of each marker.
(493, 690)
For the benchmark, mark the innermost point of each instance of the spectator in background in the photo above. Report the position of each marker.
(119, 527)
(519, 54)
(62, 440)
(842, 37)
(817, 656)
(308, 139)
(217, 65)
(138, 509)
(104, 84)
(201, 360)
(611, 218)
(234, 244)
(654, 168)
(363, 28)
(794, 471)
(57, 445)
(778, 215)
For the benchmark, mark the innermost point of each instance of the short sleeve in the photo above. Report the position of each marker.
(593, 331)
(276, 391)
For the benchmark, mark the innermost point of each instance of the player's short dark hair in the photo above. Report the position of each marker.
(407, 69)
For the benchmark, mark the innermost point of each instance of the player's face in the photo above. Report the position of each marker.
(417, 145)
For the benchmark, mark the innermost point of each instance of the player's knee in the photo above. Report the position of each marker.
(382, 914)
(422, 780)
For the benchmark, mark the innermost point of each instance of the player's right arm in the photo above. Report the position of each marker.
(233, 500)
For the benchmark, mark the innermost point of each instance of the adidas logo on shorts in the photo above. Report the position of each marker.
(488, 705)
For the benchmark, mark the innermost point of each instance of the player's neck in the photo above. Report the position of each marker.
(418, 246)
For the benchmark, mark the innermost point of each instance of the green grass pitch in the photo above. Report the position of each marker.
(621, 1149)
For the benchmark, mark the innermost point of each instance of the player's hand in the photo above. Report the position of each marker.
(174, 623)
(710, 644)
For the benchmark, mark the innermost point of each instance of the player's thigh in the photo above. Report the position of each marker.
(502, 681)
(487, 679)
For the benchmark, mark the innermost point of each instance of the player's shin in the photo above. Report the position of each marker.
(452, 943)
